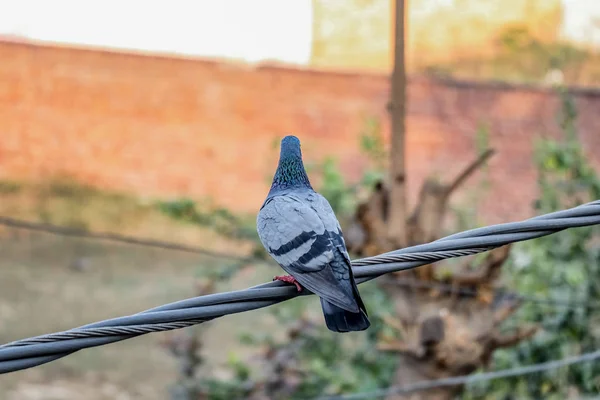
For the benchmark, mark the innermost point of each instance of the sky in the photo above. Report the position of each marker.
(582, 20)
(241, 29)
(250, 30)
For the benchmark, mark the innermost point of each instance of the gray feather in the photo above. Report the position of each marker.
(299, 229)
(301, 233)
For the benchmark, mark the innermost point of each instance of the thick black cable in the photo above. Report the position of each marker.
(30, 352)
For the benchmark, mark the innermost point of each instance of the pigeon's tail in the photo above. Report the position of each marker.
(340, 320)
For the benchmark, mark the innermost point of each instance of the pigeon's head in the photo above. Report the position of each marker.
(290, 147)
(290, 172)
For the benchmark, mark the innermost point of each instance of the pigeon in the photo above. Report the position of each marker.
(299, 229)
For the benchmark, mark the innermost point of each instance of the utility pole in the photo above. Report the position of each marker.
(397, 233)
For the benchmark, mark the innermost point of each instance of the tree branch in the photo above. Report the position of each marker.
(474, 166)
(501, 341)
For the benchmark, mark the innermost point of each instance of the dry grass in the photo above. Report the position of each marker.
(41, 292)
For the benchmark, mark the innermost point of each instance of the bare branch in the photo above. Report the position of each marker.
(502, 314)
(474, 166)
(395, 323)
(502, 341)
(487, 272)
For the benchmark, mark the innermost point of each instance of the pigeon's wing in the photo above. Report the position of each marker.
(342, 266)
(331, 223)
(297, 238)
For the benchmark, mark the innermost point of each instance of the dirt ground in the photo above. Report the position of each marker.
(50, 283)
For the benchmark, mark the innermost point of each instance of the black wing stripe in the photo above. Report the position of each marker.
(293, 244)
(321, 245)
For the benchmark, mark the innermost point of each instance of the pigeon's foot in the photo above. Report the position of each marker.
(288, 279)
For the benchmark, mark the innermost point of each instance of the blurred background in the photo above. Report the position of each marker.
(162, 120)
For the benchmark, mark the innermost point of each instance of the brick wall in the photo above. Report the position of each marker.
(173, 127)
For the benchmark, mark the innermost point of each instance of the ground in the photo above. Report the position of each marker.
(50, 283)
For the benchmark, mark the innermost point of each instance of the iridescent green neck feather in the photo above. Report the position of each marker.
(290, 172)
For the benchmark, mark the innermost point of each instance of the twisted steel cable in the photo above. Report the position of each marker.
(38, 350)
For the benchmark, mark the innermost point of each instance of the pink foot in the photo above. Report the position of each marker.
(288, 279)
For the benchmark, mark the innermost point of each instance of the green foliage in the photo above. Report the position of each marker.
(517, 41)
(220, 219)
(562, 267)
(482, 138)
(335, 189)
(68, 188)
(343, 196)
(372, 143)
(238, 386)
(520, 56)
(328, 363)
(9, 187)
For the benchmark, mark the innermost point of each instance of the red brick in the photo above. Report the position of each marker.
(170, 127)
